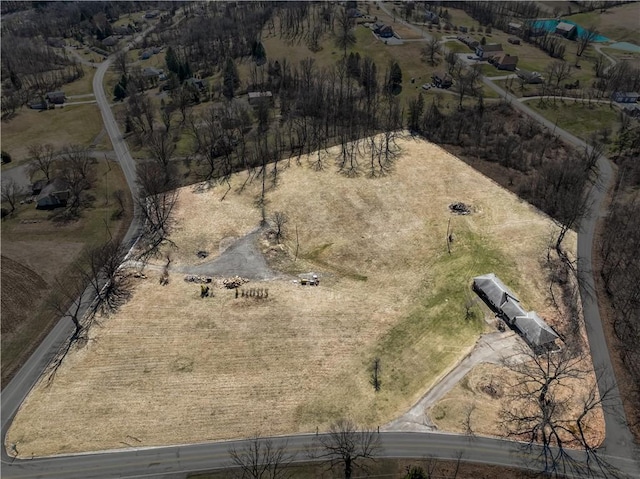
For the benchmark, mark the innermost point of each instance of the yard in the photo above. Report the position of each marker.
(171, 367)
(580, 118)
(74, 125)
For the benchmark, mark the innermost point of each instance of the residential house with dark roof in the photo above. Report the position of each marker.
(505, 62)
(484, 52)
(625, 97)
(55, 97)
(55, 194)
(442, 80)
(532, 78)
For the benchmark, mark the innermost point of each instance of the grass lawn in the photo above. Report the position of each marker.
(171, 367)
(618, 23)
(83, 85)
(28, 240)
(578, 118)
(74, 124)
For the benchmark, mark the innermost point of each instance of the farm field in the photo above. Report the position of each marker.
(172, 367)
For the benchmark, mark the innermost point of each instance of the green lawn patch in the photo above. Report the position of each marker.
(580, 119)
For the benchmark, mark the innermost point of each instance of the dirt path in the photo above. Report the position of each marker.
(490, 348)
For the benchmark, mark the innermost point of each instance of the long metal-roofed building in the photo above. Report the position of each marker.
(501, 300)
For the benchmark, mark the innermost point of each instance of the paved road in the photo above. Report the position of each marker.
(618, 435)
(162, 462)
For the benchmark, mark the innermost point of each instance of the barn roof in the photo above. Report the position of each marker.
(534, 329)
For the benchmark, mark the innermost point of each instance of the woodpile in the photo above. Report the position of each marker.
(460, 208)
(194, 278)
(235, 282)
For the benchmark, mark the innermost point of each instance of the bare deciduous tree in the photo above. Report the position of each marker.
(261, 459)
(344, 36)
(537, 410)
(347, 447)
(431, 48)
(11, 192)
(42, 160)
(280, 219)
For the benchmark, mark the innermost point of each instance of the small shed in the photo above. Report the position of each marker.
(514, 40)
(260, 97)
(530, 77)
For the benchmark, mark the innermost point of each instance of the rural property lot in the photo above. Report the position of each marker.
(172, 367)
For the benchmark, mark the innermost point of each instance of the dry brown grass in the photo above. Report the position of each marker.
(449, 413)
(173, 368)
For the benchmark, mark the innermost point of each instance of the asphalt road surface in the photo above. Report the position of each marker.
(158, 462)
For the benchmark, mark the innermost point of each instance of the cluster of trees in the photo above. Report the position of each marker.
(31, 68)
(619, 248)
(222, 30)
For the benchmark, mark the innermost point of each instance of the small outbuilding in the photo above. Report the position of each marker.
(567, 30)
(260, 97)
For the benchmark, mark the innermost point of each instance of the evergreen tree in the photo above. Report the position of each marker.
(173, 63)
(231, 80)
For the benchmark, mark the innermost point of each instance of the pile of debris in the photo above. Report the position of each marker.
(460, 208)
(194, 278)
(202, 254)
(235, 282)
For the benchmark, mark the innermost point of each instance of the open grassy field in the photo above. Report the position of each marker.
(579, 118)
(36, 250)
(171, 367)
(75, 124)
(618, 23)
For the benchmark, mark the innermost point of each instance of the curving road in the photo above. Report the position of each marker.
(157, 462)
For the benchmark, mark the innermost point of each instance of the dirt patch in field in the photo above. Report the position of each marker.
(172, 367)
